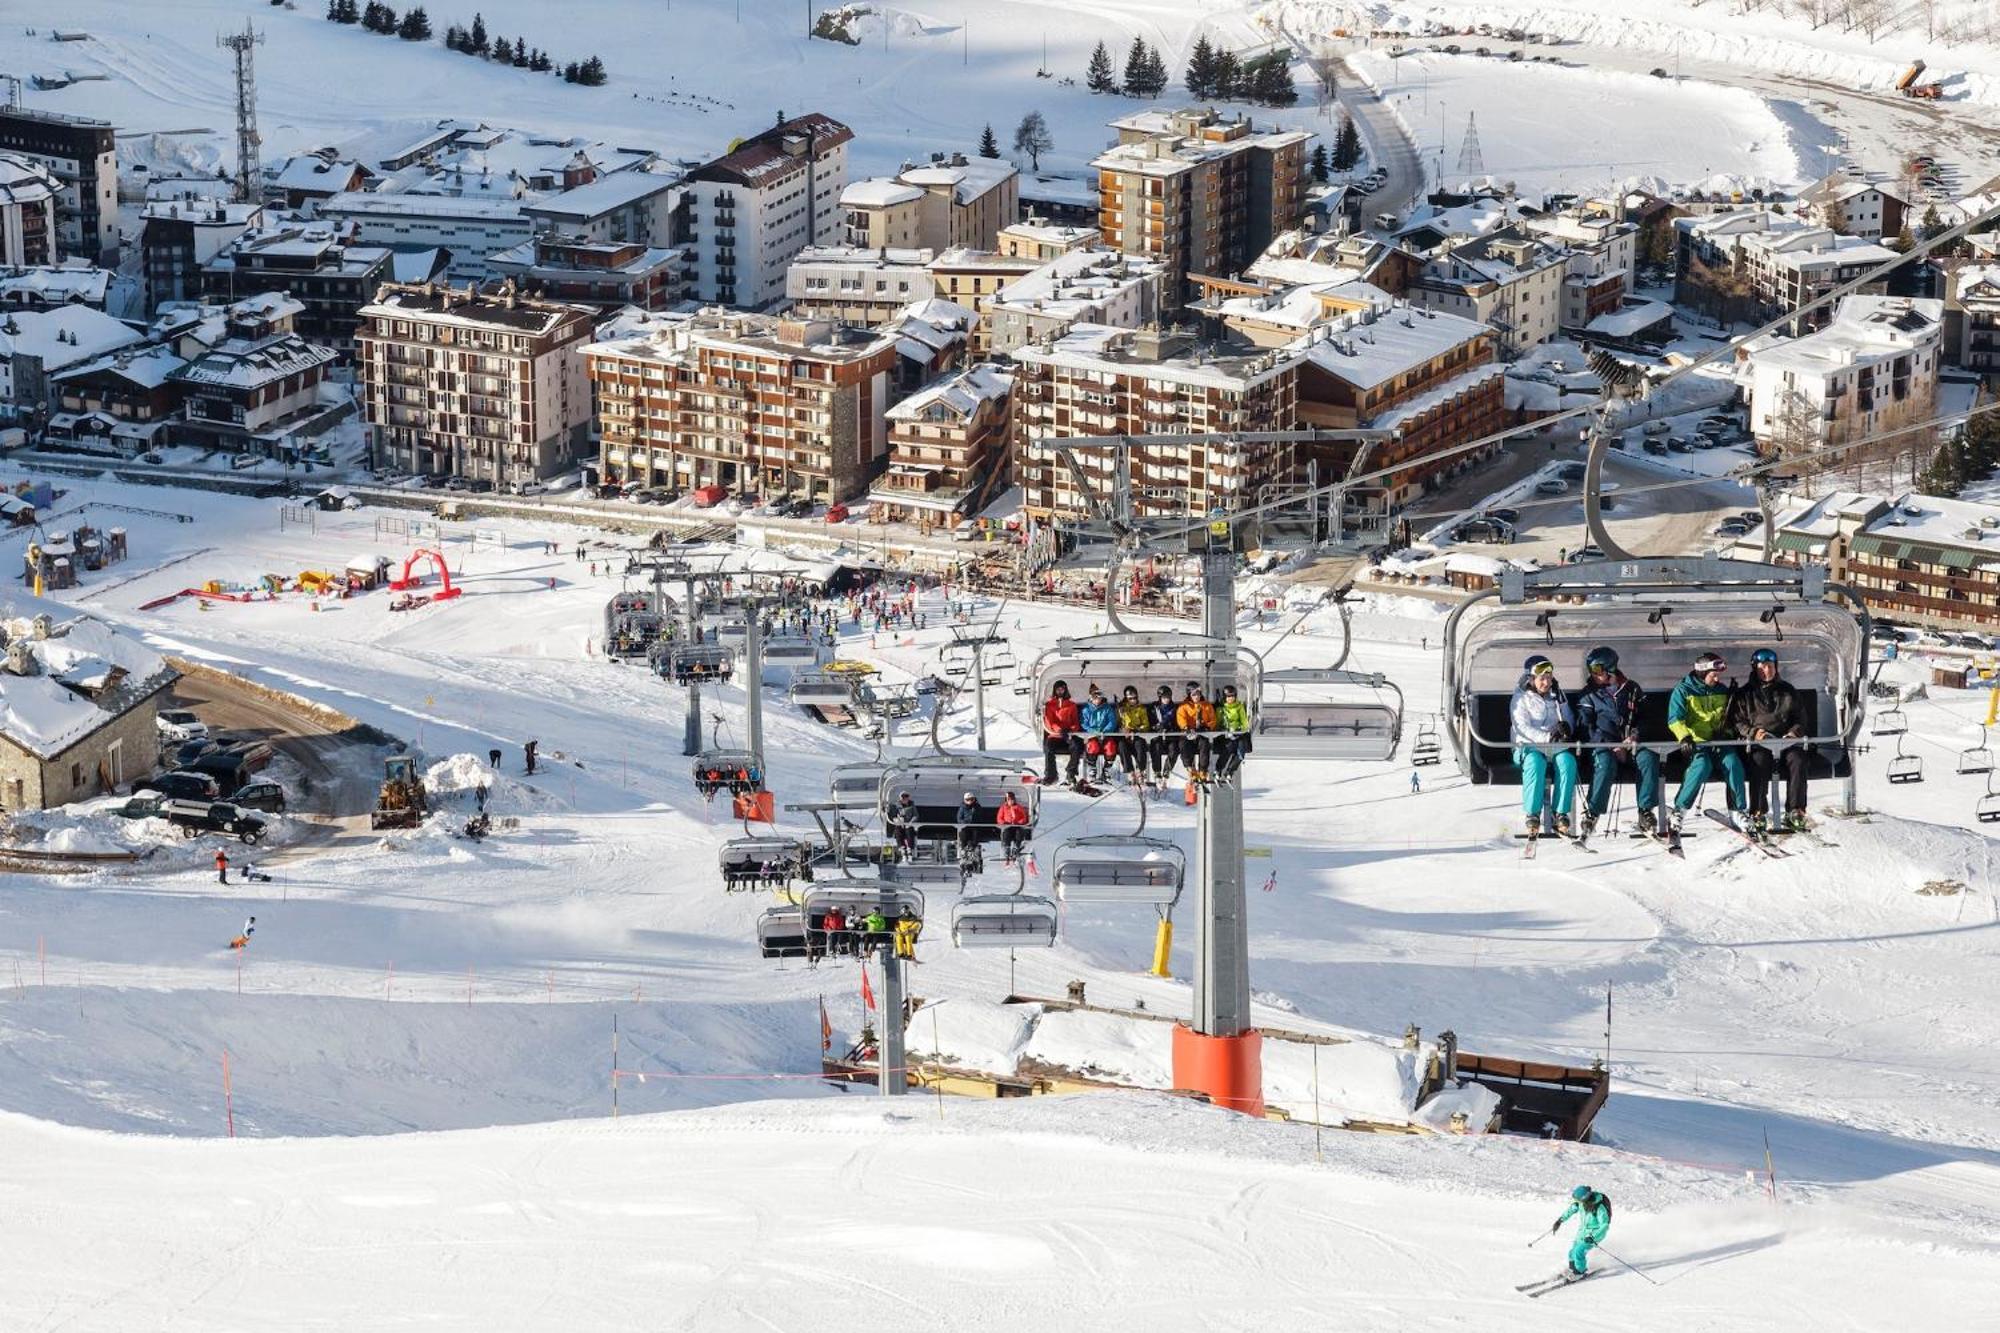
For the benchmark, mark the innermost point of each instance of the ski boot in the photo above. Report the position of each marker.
(1760, 826)
(1589, 827)
(1796, 821)
(1534, 827)
(1562, 826)
(1649, 823)
(1674, 822)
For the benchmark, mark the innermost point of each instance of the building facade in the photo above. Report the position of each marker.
(1078, 287)
(487, 386)
(748, 213)
(1873, 368)
(317, 265)
(82, 154)
(1507, 280)
(1198, 192)
(950, 201)
(606, 274)
(1106, 381)
(1914, 559)
(257, 390)
(471, 227)
(178, 237)
(28, 193)
(850, 285)
(948, 450)
(1972, 316)
(756, 403)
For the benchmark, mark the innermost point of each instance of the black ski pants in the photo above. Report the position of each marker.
(1762, 763)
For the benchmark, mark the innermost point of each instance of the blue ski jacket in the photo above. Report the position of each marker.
(1596, 1212)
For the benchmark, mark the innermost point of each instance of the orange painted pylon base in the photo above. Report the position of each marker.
(1229, 1071)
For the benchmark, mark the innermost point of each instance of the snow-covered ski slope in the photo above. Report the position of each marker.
(689, 77)
(417, 982)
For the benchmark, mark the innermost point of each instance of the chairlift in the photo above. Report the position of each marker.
(1426, 749)
(734, 771)
(763, 862)
(1988, 809)
(698, 663)
(855, 899)
(1657, 613)
(938, 783)
(729, 631)
(1978, 758)
(1905, 767)
(1145, 661)
(823, 689)
(1120, 868)
(855, 786)
(781, 932)
(1889, 722)
(790, 650)
(1003, 921)
(1365, 728)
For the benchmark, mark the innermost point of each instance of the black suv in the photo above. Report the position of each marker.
(194, 818)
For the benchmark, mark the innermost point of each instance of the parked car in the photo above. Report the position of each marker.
(1571, 471)
(1731, 527)
(528, 488)
(1654, 447)
(1551, 486)
(181, 785)
(194, 818)
(180, 756)
(178, 724)
(1679, 445)
(1583, 553)
(836, 513)
(263, 794)
(1658, 428)
(139, 807)
(708, 497)
(1977, 642)
(246, 460)
(1504, 514)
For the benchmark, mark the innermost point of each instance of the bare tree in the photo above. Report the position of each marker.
(1032, 137)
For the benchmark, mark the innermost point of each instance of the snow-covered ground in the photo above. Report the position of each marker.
(422, 982)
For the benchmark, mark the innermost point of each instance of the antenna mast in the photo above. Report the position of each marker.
(249, 172)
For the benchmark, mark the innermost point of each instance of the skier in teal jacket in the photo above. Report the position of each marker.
(1596, 1210)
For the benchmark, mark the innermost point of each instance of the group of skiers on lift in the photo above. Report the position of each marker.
(1207, 737)
(969, 823)
(1711, 720)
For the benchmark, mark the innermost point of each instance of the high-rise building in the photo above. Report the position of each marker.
(750, 211)
(27, 213)
(83, 155)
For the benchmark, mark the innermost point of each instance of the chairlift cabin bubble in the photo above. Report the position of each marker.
(1657, 614)
(1904, 766)
(1116, 868)
(698, 663)
(1316, 713)
(763, 862)
(938, 785)
(781, 932)
(1978, 758)
(733, 771)
(823, 689)
(1144, 660)
(1003, 921)
(790, 650)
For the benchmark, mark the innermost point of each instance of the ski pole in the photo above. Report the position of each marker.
(1640, 1271)
(1539, 1238)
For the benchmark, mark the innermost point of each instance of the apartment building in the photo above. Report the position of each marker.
(1874, 367)
(1755, 264)
(1276, 314)
(948, 450)
(630, 207)
(950, 201)
(178, 236)
(117, 404)
(1431, 380)
(757, 403)
(82, 155)
(1972, 316)
(72, 282)
(258, 389)
(1508, 280)
(606, 274)
(848, 284)
(28, 194)
(751, 211)
(972, 278)
(1088, 286)
(1106, 381)
(1854, 207)
(1038, 239)
(1603, 258)
(35, 345)
(488, 386)
(1198, 192)
(472, 228)
(1914, 559)
(317, 265)
(301, 183)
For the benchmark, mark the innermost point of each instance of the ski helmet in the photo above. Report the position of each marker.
(1536, 663)
(1765, 655)
(1602, 655)
(1709, 661)
(1580, 1193)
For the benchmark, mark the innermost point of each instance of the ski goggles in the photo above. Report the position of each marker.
(1597, 665)
(1543, 669)
(1764, 657)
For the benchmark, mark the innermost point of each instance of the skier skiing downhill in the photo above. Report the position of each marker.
(1596, 1220)
(1541, 717)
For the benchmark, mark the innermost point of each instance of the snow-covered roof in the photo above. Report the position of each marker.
(879, 192)
(961, 393)
(73, 280)
(309, 172)
(148, 366)
(250, 363)
(969, 179)
(1369, 349)
(1100, 347)
(1079, 282)
(1301, 308)
(267, 307)
(1436, 396)
(26, 182)
(357, 203)
(1863, 329)
(47, 712)
(620, 189)
(1633, 318)
(63, 336)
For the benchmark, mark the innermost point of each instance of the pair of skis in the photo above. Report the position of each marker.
(1749, 839)
(1543, 1286)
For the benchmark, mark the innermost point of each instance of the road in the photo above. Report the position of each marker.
(340, 770)
(1388, 146)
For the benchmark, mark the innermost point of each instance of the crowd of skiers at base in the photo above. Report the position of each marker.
(1701, 711)
(1208, 738)
(844, 936)
(969, 822)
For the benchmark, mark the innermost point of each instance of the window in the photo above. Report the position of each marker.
(76, 774)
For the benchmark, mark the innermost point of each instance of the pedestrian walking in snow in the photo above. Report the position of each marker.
(221, 866)
(493, 759)
(528, 751)
(1595, 1210)
(479, 797)
(1416, 782)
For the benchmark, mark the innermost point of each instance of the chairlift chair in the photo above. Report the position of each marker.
(729, 632)
(937, 784)
(1889, 722)
(1977, 758)
(1332, 727)
(698, 663)
(1905, 767)
(1115, 868)
(1003, 921)
(855, 898)
(823, 689)
(734, 771)
(1426, 748)
(790, 650)
(855, 786)
(1988, 809)
(1146, 661)
(781, 932)
(763, 861)
(1656, 613)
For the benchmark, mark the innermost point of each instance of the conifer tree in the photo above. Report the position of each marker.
(1098, 79)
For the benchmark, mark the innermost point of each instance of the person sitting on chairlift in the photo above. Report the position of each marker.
(971, 819)
(1061, 721)
(1233, 717)
(903, 823)
(1166, 745)
(1195, 716)
(1012, 818)
(1100, 726)
(1132, 720)
(1767, 708)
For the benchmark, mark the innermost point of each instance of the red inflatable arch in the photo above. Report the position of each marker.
(443, 572)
